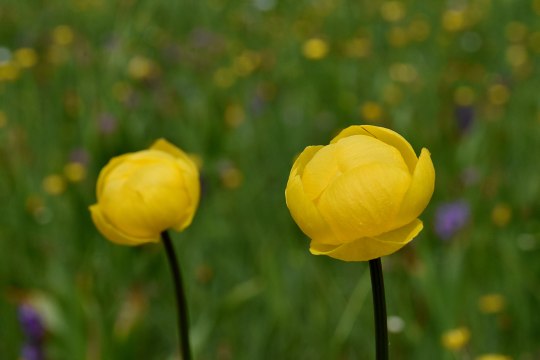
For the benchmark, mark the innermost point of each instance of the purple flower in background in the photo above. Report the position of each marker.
(31, 323)
(79, 155)
(107, 123)
(450, 218)
(464, 117)
(32, 352)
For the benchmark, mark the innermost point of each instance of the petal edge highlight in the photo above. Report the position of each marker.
(387, 136)
(113, 234)
(420, 191)
(366, 249)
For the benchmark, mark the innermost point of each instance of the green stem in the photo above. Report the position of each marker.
(181, 304)
(379, 309)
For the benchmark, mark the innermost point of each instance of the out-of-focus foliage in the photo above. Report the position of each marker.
(244, 86)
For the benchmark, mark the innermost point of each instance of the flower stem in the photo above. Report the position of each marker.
(181, 304)
(379, 307)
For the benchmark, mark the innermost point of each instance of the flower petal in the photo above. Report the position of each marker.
(165, 146)
(112, 233)
(364, 201)
(305, 214)
(193, 193)
(320, 171)
(370, 248)
(358, 150)
(385, 135)
(302, 160)
(190, 171)
(104, 173)
(419, 193)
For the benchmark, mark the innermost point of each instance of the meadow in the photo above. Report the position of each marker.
(244, 86)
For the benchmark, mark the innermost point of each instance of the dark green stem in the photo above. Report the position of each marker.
(379, 309)
(181, 304)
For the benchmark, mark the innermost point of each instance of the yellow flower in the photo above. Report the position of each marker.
(141, 68)
(371, 111)
(492, 357)
(359, 197)
(315, 48)
(74, 171)
(456, 339)
(26, 57)
(54, 184)
(501, 214)
(141, 194)
(63, 35)
(492, 303)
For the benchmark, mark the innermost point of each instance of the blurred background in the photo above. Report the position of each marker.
(244, 86)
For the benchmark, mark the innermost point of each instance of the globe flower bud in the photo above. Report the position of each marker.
(359, 197)
(141, 194)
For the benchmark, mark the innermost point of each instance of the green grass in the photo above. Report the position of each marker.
(254, 291)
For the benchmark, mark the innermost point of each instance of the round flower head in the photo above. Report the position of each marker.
(359, 197)
(141, 194)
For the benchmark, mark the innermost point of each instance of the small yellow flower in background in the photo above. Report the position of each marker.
(392, 11)
(57, 55)
(371, 111)
(3, 119)
(359, 197)
(62, 35)
(491, 303)
(464, 96)
(498, 94)
(401, 72)
(34, 203)
(536, 6)
(456, 339)
(142, 194)
(140, 68)
(54, 184)
(246, 63)
(534, 41)
(516, 55)
(224, 77)
(234, 115)
(9, 71)
(392, 94)
(231, 177)
(121, 91)
(419, 29)
(454, 20)
(515, 31)
(501, 214)
(25, 57)
(397, 37)
(493, 357)
(315, 48)
(359, 47)
(75, 171)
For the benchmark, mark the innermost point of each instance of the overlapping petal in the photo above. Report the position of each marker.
(369, 248)
(419, 193)
(305, 213)
(358, 150)
(320, 171)
(113, 234)
(385, 135)
(363, 201)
